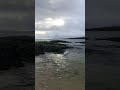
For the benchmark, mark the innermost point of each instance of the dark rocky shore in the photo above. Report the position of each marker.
(17, 63)
(16, 50)
(78, 38)
(54, 46)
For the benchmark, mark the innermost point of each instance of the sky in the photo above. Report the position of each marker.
(17, 17)
(102, 13)
(65, 17)
(59, 18)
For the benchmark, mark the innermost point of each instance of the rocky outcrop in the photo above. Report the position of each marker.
(44, 46)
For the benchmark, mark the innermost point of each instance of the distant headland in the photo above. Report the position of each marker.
(113, 28)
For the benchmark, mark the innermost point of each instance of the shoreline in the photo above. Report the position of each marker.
(55, 46)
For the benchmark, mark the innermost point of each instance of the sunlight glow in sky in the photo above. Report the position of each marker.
(40, 32)
(59, 18)
(49, 22)
(57, 22)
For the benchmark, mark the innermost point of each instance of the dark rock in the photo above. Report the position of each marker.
(44, 46)
(16, 50)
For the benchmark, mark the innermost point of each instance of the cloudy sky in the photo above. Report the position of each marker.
(17, 17)
(59, 18)
(102, 13)
(56, 18)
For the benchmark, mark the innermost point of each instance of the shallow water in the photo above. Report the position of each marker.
(61, 71)
(21, 78)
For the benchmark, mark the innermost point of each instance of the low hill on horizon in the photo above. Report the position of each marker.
(113, 28)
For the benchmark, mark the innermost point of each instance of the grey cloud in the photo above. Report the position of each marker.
(16, 16)
(73, 11)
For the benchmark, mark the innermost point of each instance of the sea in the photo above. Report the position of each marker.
(61, 71)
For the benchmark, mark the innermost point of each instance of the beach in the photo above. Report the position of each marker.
(61, 71)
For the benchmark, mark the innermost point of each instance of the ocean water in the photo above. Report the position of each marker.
(62, 71)
(102, 60)
(21, 78)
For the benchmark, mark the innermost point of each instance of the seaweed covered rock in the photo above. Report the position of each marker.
(49, 46)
